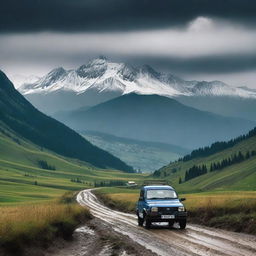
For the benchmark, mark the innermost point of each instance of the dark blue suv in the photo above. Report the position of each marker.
(160, 204)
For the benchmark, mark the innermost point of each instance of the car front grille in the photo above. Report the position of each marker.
(168, 210)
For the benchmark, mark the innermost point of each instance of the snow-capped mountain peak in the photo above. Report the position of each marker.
(127, 72)
(52, 77)
(93, 69)
(102, 75)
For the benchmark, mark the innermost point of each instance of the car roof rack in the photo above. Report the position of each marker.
(155, 182)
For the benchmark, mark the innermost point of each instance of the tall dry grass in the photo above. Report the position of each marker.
(25, 225)
(235, 212)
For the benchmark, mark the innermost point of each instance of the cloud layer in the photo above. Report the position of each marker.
(204, 45)
(90, 15)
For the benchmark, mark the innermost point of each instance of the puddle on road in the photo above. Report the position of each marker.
(106, 251)
(85, 230)
(124, 253)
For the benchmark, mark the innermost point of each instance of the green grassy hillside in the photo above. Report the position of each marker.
(25, 120)
(22, 178)
(239, 176)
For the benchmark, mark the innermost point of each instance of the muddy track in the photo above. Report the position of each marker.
(195, 240)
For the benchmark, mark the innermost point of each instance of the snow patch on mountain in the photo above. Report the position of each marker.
(218, 88)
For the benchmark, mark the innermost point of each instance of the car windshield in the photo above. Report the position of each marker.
(161, 194)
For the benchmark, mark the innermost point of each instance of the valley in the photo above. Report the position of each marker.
(23, 180)
(42, 158)
(36, 163)
(144, 156)
(132, 137)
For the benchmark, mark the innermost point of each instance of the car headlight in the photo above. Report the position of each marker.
(154, 209)
(181, 209)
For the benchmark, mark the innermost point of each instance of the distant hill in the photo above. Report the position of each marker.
(221, 166)
(159, 119)
(18, 115)
(223, 105)
(142, 155)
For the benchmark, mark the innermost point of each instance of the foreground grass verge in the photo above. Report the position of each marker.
(233, 210)
(37, 225)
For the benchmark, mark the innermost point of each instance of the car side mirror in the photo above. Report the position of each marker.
(141, 198)
(182, 199)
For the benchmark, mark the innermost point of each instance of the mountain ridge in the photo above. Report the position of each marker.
(102, 74)
(101, 80)
(159, 119)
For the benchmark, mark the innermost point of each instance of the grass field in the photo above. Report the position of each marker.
(232, 210)
(22, 179)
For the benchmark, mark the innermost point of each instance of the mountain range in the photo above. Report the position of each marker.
(101, 80)
(18, 116)
(157, 119)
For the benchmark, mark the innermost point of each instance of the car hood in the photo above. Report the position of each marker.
(164, 203)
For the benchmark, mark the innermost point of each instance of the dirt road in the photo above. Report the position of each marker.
(195, 240)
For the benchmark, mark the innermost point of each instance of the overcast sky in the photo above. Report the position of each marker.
(196, 39)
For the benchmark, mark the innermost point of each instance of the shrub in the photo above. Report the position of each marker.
(44, 165)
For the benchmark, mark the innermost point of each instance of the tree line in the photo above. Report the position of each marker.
(236, 158)
(194, 172)
(111, 183)
(44, 165)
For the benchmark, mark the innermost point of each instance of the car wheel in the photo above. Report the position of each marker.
(183, 224)
(140, 221)
(170, 224)
(148, 223)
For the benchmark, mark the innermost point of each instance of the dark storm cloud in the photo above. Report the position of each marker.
(79, 15)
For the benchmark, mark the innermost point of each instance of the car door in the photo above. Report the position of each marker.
(141, 203)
